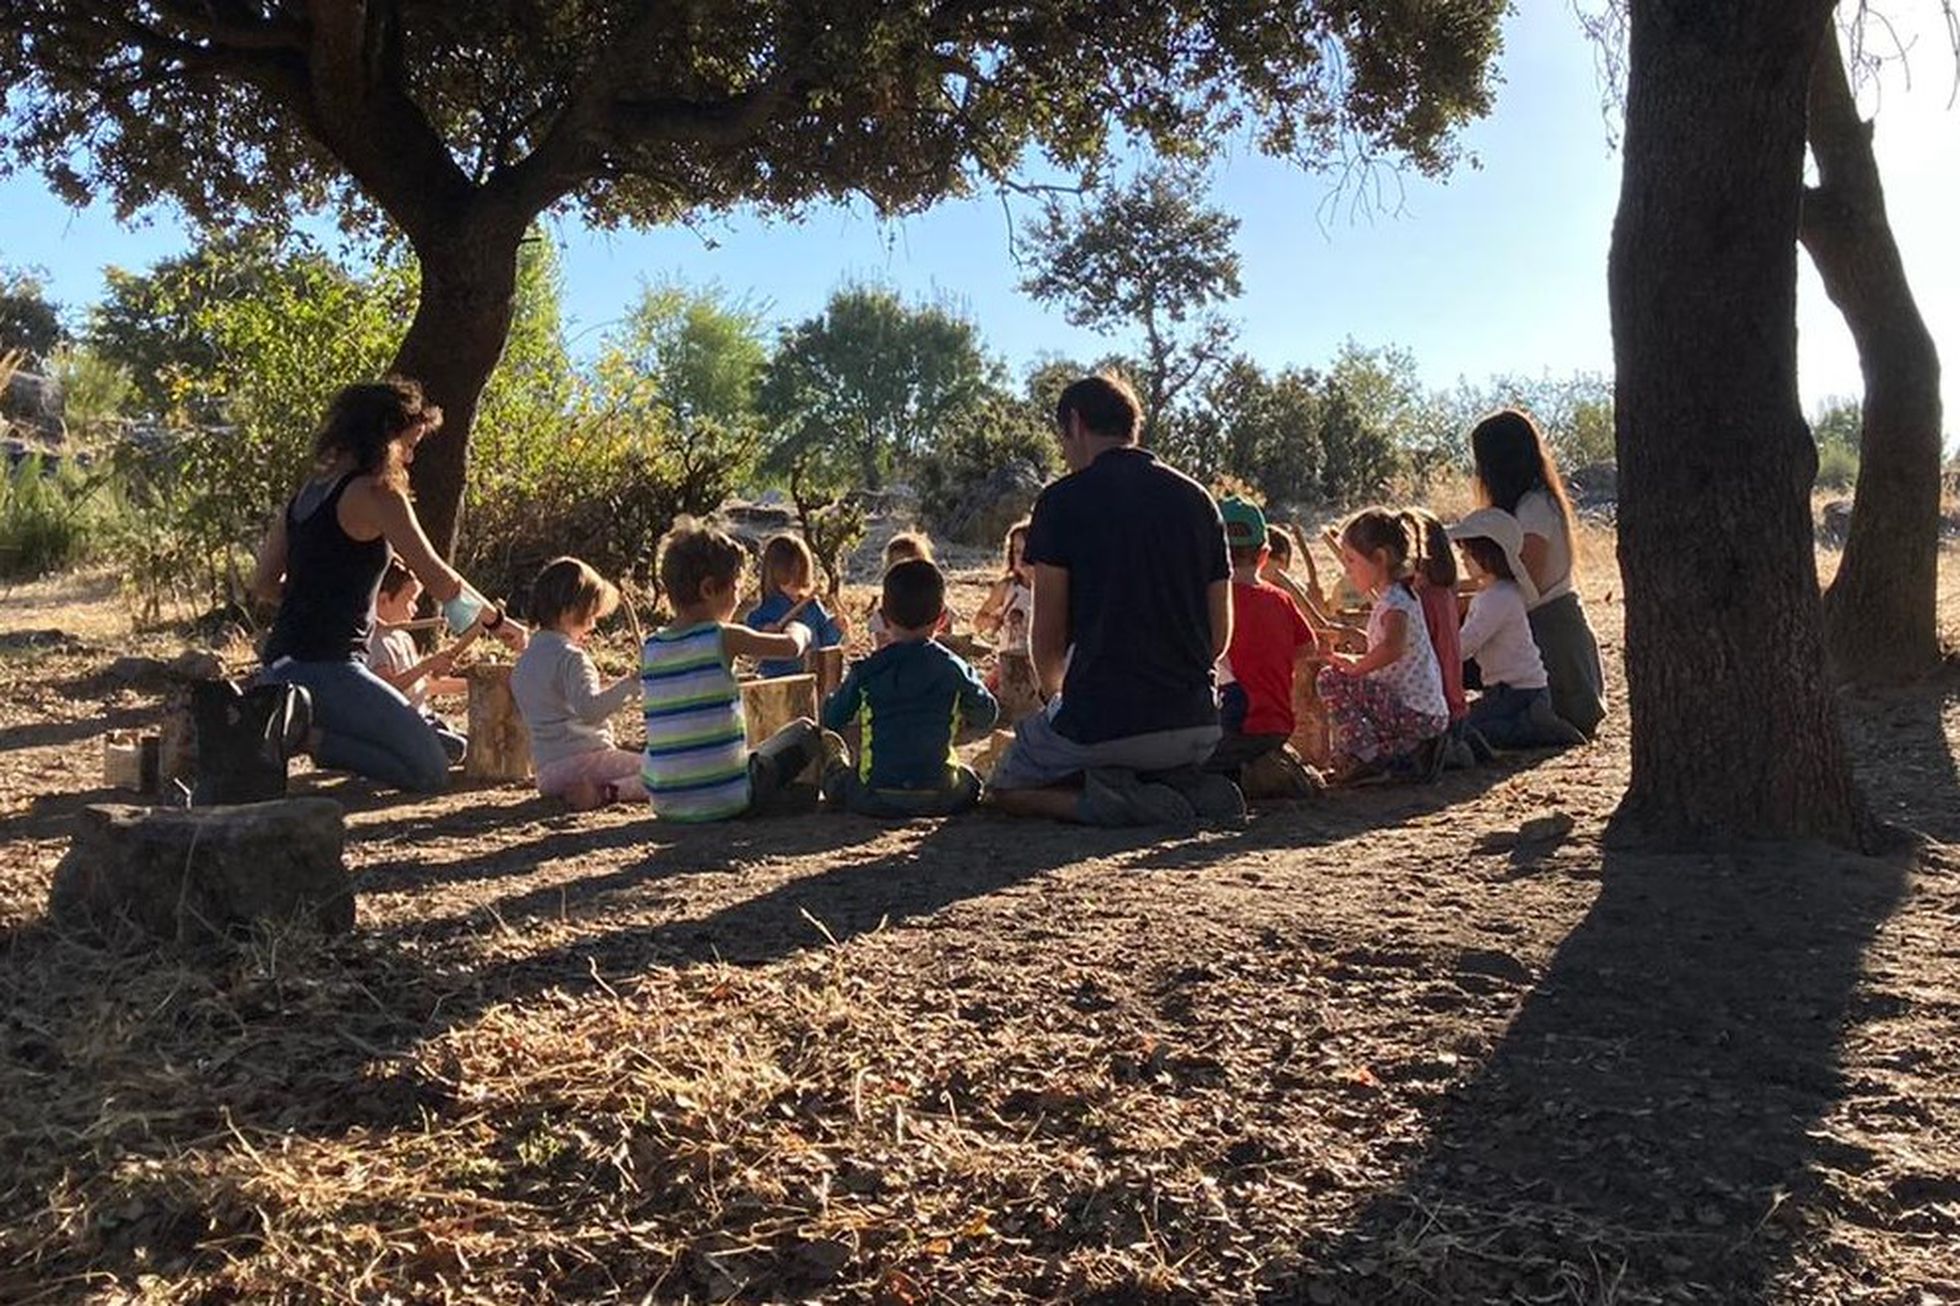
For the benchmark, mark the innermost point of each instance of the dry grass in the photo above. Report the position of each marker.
(1367, 1051)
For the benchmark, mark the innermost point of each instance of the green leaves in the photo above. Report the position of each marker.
(643, 114)
(1148, 257)
(866, 385)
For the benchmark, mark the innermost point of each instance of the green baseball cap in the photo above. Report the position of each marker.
(1245, 525)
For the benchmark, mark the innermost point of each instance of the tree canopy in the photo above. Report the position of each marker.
(866, 383)
(463, 123)
(28, 322)
(1150, 255)
(642, 113)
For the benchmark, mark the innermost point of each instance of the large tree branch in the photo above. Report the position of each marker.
(258, 63)
(725, 120)
(360, 109)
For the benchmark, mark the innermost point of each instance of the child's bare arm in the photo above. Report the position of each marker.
(440, 663)
(1394, 642)
(993, 612)
(741, 642)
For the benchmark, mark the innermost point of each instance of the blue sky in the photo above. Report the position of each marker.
(1500, 267)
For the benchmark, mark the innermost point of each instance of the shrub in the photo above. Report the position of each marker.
(52, 517)
(1837, 466)
(607, 495)
(998, 432)
(95, 391)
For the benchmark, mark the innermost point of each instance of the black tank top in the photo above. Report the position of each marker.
(332, 579)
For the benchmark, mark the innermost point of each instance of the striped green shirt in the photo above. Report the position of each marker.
(696, 765)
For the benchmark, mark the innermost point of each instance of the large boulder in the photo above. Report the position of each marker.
(1834, 524)
(1594, 485)
(34, 403)
(986, 511)
(186, 873)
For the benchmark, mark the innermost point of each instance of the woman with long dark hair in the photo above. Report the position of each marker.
(1516, 473)
(322, 562)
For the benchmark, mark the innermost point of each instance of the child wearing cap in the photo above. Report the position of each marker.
(910, 699)
(1270, 638)
(1515, 710)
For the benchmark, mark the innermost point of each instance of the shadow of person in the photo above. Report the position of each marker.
(1647, 1120)
(949, 862)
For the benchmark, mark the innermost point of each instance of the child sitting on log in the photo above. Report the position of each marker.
(1270, 640)
(391, 655)
(911, 699)
(698, 766)
(566, 712)
(1515, 710)
(789, 594)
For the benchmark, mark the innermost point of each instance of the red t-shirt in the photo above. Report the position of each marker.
(1267, 634)
(1439, 614)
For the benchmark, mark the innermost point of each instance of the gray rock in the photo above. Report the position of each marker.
(1836, 525)
(996, 503)
(138, 672)
(197, 872)
(34, 402)
(1594, 485)
(198, 664)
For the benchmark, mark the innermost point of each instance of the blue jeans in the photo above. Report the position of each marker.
(1520, 718)
(366, 726)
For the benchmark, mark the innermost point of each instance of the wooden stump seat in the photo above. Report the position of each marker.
(500, 747)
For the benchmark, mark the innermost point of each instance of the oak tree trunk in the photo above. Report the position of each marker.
(1735, 730)
(462, 319)
(1881, 612)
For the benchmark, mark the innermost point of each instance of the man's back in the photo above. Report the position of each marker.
(1141, 544)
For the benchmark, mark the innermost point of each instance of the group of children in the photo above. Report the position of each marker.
(1396, 706)
(909, 700)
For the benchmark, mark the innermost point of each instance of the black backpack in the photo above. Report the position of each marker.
(244, 738)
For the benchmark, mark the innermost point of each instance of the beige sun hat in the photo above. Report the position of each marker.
(1501, 527)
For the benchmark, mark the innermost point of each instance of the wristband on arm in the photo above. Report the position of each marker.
(461, 611)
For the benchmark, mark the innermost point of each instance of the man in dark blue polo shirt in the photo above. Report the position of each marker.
(1132, 608)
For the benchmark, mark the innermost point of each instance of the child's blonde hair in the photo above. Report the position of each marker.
(692, 554)
(787, 558)
(569, 587)
(907, 546)
(1396, 535)
(1019, 530)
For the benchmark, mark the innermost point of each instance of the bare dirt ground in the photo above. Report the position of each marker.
(1372, 1048)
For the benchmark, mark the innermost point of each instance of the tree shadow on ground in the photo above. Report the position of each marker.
(54, 734)
(1342, 814)
(1645, 1125)
(307, 1037)
(51, 816)
(664, 848)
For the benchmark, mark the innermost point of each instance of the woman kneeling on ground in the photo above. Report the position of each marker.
(322, 563)
(1516, 473)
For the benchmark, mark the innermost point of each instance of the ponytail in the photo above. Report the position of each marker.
(1418, 544)
(1397, 534)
